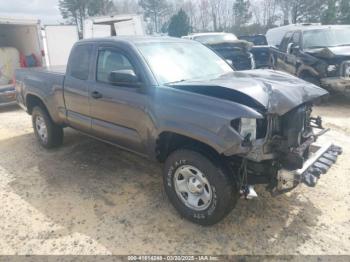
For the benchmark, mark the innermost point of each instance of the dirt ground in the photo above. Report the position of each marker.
(91, 198)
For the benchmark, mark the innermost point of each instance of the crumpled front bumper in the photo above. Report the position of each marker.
(320, 160)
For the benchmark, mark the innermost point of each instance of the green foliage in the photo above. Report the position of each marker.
(179, 24)
(344, 12)
(75, 11)
(101, 7)
(241, 12)
(154, 9)
(329, 15)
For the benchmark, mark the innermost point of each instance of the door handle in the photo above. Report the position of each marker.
(96, 95)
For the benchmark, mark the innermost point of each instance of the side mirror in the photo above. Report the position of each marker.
(292, 48)
(124, 77)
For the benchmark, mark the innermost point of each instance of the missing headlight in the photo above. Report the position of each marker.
(245, 127)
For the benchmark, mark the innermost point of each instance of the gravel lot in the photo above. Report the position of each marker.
(91, 198)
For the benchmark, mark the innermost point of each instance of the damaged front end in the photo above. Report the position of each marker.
(289, 154)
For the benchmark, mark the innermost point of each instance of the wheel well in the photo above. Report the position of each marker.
(33, 101)
(169, 142)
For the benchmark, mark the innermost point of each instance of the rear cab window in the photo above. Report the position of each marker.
(80, 60)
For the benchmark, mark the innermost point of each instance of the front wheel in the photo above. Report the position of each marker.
(46, 131)
(199, 188)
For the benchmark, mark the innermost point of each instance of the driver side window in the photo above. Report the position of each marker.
(110, 61)
(286, 41)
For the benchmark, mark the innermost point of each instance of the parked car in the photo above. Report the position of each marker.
(235, 51)
(317, 54)
(260, 50)
(257, 40)
(217, 132)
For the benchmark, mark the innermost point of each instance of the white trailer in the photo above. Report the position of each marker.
(23, 43)
(117, 25)
(20, 45)
(58, 42)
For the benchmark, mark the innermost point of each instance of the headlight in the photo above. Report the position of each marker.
(245, 126)
(331, 68)
(248, 126)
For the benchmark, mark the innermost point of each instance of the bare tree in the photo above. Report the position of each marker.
(286, 8)
(204, 14)
(155, 10)
(127, 6)
(191, 9)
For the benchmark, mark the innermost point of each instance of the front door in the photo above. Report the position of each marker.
(76, 87)
(292, 53)
(118, 110)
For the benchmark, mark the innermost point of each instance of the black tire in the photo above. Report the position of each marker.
(54, 137)
(224, 192)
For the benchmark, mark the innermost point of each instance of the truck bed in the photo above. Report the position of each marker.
(58, 70)
(45, 82)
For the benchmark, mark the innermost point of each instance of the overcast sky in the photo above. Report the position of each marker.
(45, 10)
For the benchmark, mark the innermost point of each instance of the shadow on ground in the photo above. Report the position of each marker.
(117, 199)
(9, 108)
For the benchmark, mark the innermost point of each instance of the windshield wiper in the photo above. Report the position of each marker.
(316, 46)
(175, 82)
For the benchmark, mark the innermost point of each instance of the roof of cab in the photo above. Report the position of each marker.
(136, 39)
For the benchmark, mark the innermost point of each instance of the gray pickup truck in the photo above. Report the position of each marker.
(217, 132)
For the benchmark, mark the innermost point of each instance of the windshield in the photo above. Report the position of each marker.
(326, 38)
(179, 61)
(215, 38)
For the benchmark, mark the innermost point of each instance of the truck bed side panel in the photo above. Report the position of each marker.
(46, 85)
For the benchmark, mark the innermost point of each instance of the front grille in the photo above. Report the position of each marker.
(346, 69)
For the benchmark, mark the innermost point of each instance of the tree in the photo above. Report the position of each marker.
(154, 9)
(76, 11)
(126, 6)
(307, 11)
(285, 6)
(241, 12)
(344, 12)
(329, 15)
(190, 8)
(179, 24)
(204, 15)
(101, 7)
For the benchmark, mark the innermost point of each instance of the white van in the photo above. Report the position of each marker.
(20, 45)
(23, 43)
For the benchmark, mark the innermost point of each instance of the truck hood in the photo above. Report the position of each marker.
(269, 91)
(330, 52)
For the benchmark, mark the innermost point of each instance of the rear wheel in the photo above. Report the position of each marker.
(46, 131)
(199, 187)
